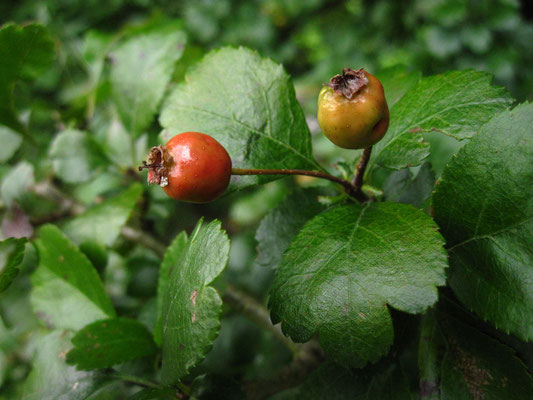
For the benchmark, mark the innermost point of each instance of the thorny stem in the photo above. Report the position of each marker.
(349, 187)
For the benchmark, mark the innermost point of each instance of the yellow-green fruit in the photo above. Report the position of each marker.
(356, 122)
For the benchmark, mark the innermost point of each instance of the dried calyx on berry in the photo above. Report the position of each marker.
(352, 109)
(349, 83)
(158, 165)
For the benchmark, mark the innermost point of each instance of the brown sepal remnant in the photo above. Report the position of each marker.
(159, 163)
(349, 83)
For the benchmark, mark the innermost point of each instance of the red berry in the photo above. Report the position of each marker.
(191, 167)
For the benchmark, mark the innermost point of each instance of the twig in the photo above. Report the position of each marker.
(142, 238)
(50, 191)
(256, 313)
(136, 380)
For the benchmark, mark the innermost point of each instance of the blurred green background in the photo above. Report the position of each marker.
(314, 38)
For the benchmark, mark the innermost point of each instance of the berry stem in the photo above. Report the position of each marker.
(349, 187)
(360, 169)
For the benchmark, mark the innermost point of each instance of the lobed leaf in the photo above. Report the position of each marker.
(108, 342)
(455, 103)
(141, 69)
(51, 378)
(67, 291)
(11, 253)
(484, 207)
(26, 52)
(191, 309)
(103, 222)
(247, 103)
(345, 266)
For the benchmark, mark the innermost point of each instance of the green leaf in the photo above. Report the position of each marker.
(248, 104)
(345, 266)
(402, 187)
(119, 146)
(51, 378)
(191, 309)
(11, 253)
(484, 207)
(476, 366)
(87, 193)
(26, 52)
(406, 150)
(95, 48)
(108, 342)
(103, 222)
(141, 69)
(281, 224)
(17, 182)
(11, 141)
(74, 156)
(68, 292)
(174, 252)
(456, 103)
